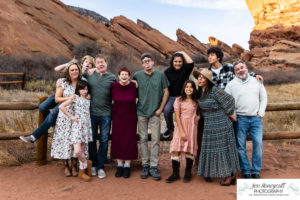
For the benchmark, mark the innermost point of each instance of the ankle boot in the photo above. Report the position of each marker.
(82, 175)
(175, 175)
(89, 168)
(188, 170)
(67, 169)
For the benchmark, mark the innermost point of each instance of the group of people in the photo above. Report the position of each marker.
(229, 102)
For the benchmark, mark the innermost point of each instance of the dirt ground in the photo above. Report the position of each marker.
(28, 181)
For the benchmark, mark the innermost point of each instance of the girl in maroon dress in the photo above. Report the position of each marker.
(124, 123)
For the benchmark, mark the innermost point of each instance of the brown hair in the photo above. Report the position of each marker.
(89, 58)
(100, 56)
(66, 72)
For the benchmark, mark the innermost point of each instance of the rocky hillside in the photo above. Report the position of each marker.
(53, 28)
(275, 40)
(91, 14)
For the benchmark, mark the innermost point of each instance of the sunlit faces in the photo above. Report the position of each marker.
(74, 71)
(101, 65)
(241, 71)
(202, 81)
(213, 59)
(147, 63)
(124, 77)
(177, 63)
(84, 92)
(86, 65)
(188, 90)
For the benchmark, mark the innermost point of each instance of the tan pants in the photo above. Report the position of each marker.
(153, 122)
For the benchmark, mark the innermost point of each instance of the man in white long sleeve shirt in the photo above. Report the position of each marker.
(250, 105)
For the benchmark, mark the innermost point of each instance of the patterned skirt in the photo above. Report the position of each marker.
(218, 156)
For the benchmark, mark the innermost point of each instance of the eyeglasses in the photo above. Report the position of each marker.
(146, 61)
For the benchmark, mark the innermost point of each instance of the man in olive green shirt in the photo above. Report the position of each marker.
(100, 81)
(152, 96)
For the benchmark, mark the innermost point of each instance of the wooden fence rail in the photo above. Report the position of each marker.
(14, 82)
(41, 153)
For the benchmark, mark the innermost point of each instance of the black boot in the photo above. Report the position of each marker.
(175, 175)
(188, 169)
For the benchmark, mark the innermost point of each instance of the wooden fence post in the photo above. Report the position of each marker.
(24, 81)
(41, 148)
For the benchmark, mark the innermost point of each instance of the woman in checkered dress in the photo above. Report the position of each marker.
(218, 156)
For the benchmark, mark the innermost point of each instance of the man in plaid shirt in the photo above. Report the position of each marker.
(222, 72)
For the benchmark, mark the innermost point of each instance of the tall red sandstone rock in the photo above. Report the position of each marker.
(275, 39)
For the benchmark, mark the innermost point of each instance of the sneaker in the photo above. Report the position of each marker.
(154, 173)
(145, 172)
(27, 139)
(94, 171)
(101, 173)
(167, 134)
(119, 172)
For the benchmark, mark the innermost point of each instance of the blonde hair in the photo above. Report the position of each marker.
(89, 58)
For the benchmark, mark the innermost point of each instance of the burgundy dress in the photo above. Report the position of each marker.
(124, 122)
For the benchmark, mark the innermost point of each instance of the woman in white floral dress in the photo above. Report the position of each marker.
(61, 147)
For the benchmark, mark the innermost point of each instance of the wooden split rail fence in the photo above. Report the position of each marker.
(41, 152)
(14, 82)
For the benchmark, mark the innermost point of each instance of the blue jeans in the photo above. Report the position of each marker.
(168, 113)
(99, 157)
(253, 126)
(50, 117)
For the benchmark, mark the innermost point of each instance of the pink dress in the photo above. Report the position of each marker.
(187, 112)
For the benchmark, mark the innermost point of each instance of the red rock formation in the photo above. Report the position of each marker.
(49, 27)
(144, 40)
(190, 42)
(53, 28)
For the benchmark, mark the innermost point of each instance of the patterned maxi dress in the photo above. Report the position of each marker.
(61, 147)
(81, 131)
(218, 156)
(187, 115)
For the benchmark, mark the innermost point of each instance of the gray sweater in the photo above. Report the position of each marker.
(250, 96)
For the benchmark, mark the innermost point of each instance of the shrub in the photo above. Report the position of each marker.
(280, 77)
(199, 58)
(85, 48)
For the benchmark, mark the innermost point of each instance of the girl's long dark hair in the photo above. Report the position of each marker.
(177, 55)
(207, 90)
(81, 84)
(194, 94)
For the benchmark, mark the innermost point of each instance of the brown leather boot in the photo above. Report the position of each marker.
(89, 168)
(83, 175)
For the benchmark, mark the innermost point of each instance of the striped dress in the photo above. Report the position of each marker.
(218, 156)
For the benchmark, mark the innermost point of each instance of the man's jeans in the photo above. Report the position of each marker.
(168, 113)
(154, 123)
(50, 117)
(99, 157)
(253, 126)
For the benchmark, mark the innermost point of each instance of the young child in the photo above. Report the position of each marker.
(185, 135)
(81, 132)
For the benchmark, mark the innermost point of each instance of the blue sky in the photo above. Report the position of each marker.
(228, 20)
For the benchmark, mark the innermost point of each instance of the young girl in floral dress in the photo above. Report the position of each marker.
(185, 135)
(81, 132)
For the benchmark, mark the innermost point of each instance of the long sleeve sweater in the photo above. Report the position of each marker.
(250, 96)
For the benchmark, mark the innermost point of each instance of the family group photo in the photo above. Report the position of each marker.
(116, 109)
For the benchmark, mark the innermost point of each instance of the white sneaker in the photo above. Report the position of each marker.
(101, 173)
(94, 171)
